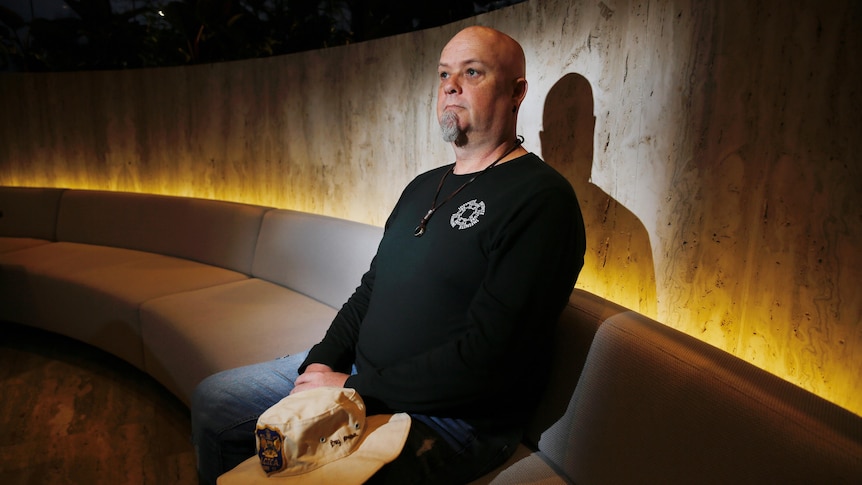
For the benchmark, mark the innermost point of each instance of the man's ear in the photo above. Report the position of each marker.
(520, 91)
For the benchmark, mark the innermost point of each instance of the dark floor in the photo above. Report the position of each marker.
(72, 414)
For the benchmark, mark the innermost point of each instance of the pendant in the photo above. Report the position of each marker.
(420, 229)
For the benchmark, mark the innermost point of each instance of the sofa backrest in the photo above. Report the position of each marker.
(318, 256)
(29, 212)
(654, 405)
(208, 231)
(572, 338)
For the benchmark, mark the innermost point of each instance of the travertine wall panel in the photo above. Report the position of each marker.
(714, 147)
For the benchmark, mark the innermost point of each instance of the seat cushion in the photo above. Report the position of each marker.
(93, 293)
(15, 243)
(523, 467)
(532, 469)
(188, 336)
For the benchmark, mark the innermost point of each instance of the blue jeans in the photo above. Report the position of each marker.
(225, 408)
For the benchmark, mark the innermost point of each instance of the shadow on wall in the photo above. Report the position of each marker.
(618, 264)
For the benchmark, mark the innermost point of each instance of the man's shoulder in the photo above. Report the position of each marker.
(434, 172)
(530, 169)
(430, 177)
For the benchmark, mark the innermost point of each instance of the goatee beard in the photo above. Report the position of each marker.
(449, 126)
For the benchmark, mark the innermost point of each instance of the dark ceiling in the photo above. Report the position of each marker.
(65, 35)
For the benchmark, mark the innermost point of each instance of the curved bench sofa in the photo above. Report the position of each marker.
(183, 288)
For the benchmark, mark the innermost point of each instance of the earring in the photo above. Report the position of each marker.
(514, 109)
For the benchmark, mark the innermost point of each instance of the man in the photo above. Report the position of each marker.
(453, 321)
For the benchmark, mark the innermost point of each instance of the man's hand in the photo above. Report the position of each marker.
(319, 375)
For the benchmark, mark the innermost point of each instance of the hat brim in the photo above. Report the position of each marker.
(381, 443)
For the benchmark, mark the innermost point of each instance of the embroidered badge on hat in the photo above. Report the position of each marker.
(269, 449)
(321, 436)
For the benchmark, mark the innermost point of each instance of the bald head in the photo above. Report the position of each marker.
(482, 84)
(499, 48)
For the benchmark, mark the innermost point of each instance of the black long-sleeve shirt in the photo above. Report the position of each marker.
(457, 323)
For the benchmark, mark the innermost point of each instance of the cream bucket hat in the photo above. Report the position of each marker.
(321, 436)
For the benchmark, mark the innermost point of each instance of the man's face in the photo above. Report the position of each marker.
(474, 95)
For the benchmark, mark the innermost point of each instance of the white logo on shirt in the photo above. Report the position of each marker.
(467, 215)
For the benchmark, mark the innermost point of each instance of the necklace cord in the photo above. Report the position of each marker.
(421, 228)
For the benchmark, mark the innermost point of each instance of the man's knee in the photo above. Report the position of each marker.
(205, 395)
(214, 403)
